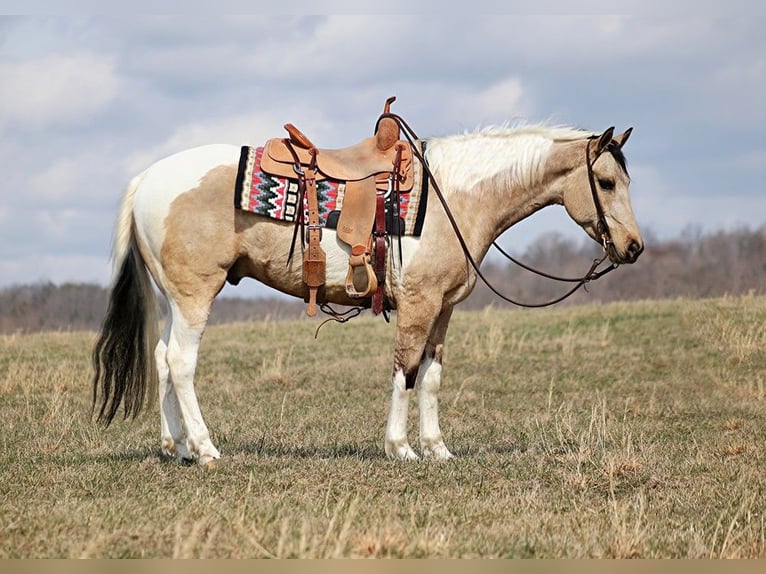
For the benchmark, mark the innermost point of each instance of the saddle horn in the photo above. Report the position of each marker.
(387, 132)
(298, 137)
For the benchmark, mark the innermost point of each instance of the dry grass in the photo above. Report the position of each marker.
(624, 430)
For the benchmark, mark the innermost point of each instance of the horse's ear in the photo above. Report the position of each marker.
(604, 140)
(621, 139)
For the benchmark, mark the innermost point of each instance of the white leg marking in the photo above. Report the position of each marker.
(431, 441)
(173, 439)
(397, 446)
(182, 360)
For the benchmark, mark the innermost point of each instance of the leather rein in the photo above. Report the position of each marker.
(601, 227)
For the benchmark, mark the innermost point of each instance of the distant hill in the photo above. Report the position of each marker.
(74, 307)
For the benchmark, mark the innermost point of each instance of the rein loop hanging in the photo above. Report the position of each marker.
(592, 273)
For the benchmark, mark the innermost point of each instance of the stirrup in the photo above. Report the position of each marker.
(360, 257)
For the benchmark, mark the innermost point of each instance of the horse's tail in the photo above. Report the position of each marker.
(123, 358)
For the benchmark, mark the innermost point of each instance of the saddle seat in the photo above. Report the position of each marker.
(372, 156)
(370, 169)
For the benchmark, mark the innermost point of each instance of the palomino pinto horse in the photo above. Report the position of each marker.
(177, 223)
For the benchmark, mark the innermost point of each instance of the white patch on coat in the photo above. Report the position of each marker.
(164, 181)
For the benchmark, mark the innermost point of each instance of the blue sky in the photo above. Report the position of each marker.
(86, 102)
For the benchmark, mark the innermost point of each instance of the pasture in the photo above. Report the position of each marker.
(620, 430)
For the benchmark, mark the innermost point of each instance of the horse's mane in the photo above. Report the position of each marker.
(554, 133)
(550, 132)
(518, 151)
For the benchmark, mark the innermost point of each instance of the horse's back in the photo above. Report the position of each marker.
(182, 172)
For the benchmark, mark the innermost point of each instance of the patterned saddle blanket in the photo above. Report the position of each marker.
(277, 197)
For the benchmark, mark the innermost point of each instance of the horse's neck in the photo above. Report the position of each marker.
(503, 204)
(522, 199)
(497, 181)
(521, 203)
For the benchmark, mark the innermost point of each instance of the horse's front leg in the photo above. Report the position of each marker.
(412, 329)
(397, 444)
(429, 382)
(418, 363)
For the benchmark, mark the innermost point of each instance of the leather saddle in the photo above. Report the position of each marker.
(370, 169)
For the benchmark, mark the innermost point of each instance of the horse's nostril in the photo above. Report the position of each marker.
(634, 250)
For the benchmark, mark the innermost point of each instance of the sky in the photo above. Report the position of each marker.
(89, 101)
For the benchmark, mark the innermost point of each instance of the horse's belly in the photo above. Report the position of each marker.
(268, 246)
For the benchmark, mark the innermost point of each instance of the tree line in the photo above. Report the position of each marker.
(692, 265)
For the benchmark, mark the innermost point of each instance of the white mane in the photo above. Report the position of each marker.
(463, 160)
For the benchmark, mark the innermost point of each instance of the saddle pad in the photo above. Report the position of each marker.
(277, 197)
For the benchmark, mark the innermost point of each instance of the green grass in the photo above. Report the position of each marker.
(623, 430)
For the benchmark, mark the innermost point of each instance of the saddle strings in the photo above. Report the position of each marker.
(591, 275)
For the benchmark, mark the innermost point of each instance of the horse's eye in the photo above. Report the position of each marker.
(606, 184)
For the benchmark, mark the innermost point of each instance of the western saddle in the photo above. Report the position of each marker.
(371, 169)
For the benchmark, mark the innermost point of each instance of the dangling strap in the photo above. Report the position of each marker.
(380, 234)
(379, 250)
(314, 258)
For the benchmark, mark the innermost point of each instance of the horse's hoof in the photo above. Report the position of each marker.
(209, 462)
(437, 452)
(168, 447)
(401, 452)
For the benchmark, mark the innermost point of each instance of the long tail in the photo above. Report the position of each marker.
(123, 358)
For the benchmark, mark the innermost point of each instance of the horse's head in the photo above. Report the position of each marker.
(595, 194)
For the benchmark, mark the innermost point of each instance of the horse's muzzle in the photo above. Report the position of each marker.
(630, 255)
(634, 250)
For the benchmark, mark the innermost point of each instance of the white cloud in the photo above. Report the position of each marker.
(495, 104)
(55, 90)
(594, 43)
(65, 175)
(246, 129)
(339, 49)
(68, 180)
(61, 225)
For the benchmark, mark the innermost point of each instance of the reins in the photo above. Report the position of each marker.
(602, 228)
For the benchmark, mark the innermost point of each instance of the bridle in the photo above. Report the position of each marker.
(601, 226)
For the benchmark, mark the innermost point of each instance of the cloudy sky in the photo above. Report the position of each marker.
(86, 102)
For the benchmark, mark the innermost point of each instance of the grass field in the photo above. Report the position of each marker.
(623, 430)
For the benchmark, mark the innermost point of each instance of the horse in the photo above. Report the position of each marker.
(177, 225)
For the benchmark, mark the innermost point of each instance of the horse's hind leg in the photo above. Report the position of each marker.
(184, 337)
(171, 424)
